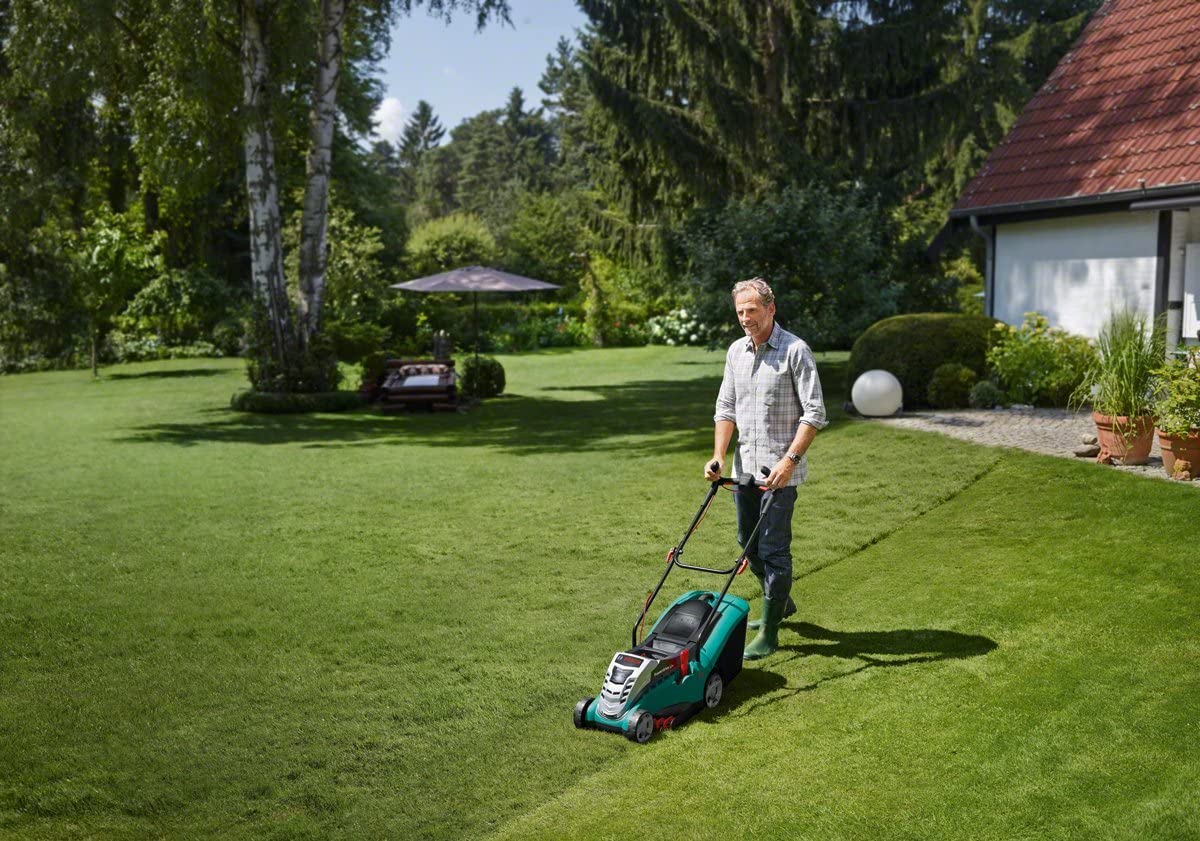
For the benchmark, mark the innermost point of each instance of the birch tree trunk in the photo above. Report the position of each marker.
(315, 219)
(262, 185)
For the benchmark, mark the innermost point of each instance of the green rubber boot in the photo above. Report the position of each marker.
(768, 637)
(789, 609)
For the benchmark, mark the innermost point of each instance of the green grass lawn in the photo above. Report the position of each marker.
(225, 625)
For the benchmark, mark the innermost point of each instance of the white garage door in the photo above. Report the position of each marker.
(1076, 271)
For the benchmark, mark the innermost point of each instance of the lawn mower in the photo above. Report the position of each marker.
(690, 655)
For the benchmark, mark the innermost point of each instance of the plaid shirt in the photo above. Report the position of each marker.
(768, 392)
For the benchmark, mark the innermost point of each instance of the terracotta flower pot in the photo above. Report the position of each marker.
(1124, 440)
(1181, 450)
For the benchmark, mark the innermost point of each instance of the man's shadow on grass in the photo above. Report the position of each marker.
(872, 649)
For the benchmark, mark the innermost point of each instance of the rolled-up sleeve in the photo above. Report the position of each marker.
(727, 397)
(808, 387)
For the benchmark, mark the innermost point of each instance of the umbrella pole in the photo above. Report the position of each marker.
(475, 295)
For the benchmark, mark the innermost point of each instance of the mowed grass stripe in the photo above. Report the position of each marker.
(890, 714)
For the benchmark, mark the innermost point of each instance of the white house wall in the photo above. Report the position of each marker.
(1076, 271)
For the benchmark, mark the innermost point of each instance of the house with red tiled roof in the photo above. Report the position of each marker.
(1092, 201)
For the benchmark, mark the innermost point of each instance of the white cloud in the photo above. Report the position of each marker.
(389, 119)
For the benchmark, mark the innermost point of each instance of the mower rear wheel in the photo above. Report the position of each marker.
(581, 712)
(714, 688)
(641, 727)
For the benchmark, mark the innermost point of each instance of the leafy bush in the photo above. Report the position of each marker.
(229, 335)
(683, 327)
(1177, 402)
(373, 364)
(122, 347)
(178, 306)
(1039, 364)
(986, 395)
(625, 333)
(1120, 381)
(352, 341)
(309, 371)
(482, 377)
(451, 242)
(911, 347)
(950, 386)
(504, 326)
(277, 403)
(821, 250)
(538, 332)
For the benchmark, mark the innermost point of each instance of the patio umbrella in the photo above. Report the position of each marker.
(474, 279)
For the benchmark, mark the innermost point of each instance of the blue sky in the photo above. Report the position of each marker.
(460, 72)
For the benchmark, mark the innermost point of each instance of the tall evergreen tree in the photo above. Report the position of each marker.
(422, 132)
(730, 98)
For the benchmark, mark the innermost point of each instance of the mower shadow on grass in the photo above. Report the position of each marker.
(752, 683)
(873, 649)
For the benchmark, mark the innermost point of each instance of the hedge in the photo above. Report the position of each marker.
(277, 403)
(913, 346)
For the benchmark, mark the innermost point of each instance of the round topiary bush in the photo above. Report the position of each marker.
(950, 386)
(913, 346)
(986, 395)
(482, 377)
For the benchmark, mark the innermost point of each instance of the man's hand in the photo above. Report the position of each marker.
(710, 474)
(779, 477)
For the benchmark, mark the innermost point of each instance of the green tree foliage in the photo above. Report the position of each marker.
(449, 243)
(177, 306)
(115, 258)
(820, 249)
(697, 104)
(730, 98)
(422, 132)
(124, 103)
(545, 239)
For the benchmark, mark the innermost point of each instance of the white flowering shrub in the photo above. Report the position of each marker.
(681, 327)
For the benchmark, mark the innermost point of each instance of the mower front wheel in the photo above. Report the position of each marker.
(641, 727)
(581, 712)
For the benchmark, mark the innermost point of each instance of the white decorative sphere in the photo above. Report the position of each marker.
(877, 394)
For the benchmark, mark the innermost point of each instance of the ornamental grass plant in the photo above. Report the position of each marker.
(1120, 382)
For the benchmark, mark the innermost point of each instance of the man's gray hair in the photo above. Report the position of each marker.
(754, 284)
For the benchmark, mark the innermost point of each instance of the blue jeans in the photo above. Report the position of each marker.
(770, 554)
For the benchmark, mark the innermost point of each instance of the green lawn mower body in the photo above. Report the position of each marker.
(683, 665)
(666, 680)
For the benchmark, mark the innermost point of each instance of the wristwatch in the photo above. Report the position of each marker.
(795, 457)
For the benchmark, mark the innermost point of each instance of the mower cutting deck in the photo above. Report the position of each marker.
(683, 665)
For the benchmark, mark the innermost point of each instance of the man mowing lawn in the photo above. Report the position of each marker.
(772, 394)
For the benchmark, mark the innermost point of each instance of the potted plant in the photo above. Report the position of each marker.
(1178, 408)
(1120, 387)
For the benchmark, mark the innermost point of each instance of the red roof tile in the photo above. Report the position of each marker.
(1120, 113)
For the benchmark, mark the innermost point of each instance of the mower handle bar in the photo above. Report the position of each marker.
(673, 556)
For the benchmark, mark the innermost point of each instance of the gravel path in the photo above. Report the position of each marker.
(1052, 432)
